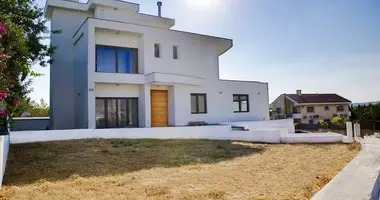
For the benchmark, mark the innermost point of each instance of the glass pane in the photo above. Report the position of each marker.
(236, 98)
(100, 113)
(235, 107)
(244, 106)
(156, 50)
(243, 98)
(201, 104)
(133, 113)
(122, 112)
(125, 61)
(111, 113)
(106, 60)
(193, 104)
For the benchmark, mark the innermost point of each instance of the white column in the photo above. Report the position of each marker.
(144, 106)
(90, 80)
(357, 130)
(350, 137)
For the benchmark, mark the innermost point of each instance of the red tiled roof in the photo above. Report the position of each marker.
(318, 98)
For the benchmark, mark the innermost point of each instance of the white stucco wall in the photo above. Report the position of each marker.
(116, 90)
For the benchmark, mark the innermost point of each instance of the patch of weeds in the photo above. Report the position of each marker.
(225, 147)
(156, 191)
(353, 146)
(115, 145)
(308, 191)
(216, 194)
(323, 180)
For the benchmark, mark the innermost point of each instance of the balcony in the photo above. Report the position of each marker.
(169, 79)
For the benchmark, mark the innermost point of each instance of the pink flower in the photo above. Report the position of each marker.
(3, 31)
(16, 102)
(11, 85)
(4, 57)
(3, 114)
(1, 98)
(5, 95)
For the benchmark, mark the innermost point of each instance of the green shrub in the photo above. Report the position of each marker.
(323, 124)
(337, 121)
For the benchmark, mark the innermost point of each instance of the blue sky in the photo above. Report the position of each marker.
(319, 46)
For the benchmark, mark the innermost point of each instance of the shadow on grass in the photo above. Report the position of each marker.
(52, 161)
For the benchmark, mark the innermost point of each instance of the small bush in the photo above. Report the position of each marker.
(337, 121)
(323, 124)
(115, 145)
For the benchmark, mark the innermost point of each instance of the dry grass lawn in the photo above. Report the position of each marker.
(170, 169)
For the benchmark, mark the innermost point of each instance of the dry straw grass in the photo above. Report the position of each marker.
(170, 169)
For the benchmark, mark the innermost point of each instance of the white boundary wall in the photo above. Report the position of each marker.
(200, 132)
(267, 124)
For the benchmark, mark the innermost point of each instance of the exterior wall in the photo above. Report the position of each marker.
(116, 90)
(62, 70)
(284, 104)
(323, 114)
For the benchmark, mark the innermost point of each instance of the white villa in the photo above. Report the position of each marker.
(115, 68)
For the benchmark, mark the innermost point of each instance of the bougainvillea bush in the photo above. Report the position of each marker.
(10, 43)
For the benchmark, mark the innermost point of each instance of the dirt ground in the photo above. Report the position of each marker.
(171, 169)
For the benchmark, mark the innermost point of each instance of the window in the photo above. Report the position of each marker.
(157, 50)
(116, 60)
(310, 109)
(327, 108)
(175, 52)
(198, 103)
(278, 110)
(340, 108)
(311, 121)
(116, 113)
(294, 110)
(240, 103)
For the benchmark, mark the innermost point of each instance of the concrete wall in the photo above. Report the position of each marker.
(4, 150)
(62, 71)
(31, 123)
(268, 124)
(204, 132)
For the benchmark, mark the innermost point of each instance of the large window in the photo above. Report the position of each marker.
(116, 60)
(116, 113)
(198, 103)
(240, 103)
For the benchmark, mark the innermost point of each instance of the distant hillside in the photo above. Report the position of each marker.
(365, 103)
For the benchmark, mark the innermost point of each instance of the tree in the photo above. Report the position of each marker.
(323, 124)
(337, 121)
(22, 27)
(40, 109)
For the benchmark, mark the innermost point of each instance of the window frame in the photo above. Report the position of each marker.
(239, 101)
(117, 110)
(117, 58)
(340, 110)
(159, 50)
(177, 55)
(307, 109)
(197, 103)
(328, 107)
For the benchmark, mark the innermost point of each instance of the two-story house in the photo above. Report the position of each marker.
(310, 108)
(115, 67)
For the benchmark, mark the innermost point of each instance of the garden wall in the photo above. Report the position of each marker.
(268, 124)
(31, 123)
(198, 132)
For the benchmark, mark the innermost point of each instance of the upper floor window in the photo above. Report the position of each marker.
(327, 108)
(116, 60)
(175, 52)
(240, 102)
(198, 104)
(157, 50)
(310, 109)
(340, 108)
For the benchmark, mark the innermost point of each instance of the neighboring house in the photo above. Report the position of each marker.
(310, 108)
(115, 67)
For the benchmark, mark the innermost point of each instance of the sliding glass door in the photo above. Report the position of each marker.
(116, 112)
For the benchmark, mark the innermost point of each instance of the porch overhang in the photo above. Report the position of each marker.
(167, 78)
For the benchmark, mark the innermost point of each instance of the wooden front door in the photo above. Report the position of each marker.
(159, 108)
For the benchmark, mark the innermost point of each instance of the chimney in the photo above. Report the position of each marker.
(159, 4)
(299, 92)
